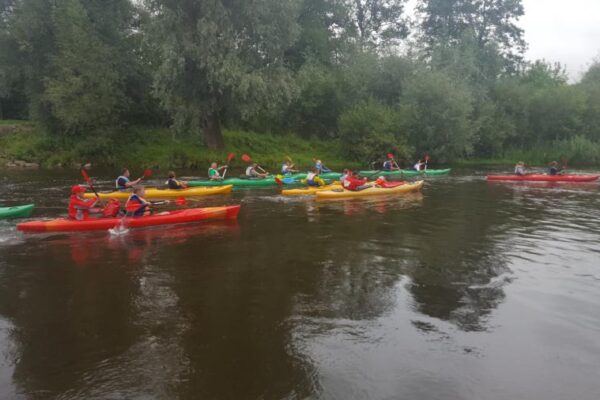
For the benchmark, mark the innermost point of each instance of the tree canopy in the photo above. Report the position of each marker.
(449, 79)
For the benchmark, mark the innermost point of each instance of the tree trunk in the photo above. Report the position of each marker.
(211, 127)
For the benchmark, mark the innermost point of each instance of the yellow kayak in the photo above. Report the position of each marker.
(372, 191)
(153, 193)
(310, 190)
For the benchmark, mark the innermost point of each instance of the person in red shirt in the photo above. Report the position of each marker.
(79, 208)
(353, 183)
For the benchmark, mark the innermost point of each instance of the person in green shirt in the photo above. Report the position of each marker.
(214, 172)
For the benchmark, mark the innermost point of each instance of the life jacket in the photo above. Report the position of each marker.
(134, 206)
(387, 165)
(79, 209)
(118, 186)
(112, 208)
(215, 173)
(250, 171)
(351, 183)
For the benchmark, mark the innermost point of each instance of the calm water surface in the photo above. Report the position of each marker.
(470, 290)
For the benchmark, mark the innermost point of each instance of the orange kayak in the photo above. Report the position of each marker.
(165, 218)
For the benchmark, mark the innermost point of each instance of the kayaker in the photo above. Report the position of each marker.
(123, 182)
(313, 178)
(320, 167)
(80, 208)
(381, 181)
(389, 165)
(136, 205)
(288, 168)
(355, 184)
(554, 170)
(214, 172)
(420, 165)
(173, 183)
(520, 168)
(252, 172)
(345, 174)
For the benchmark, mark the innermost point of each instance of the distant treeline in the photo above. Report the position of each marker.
(450, 81)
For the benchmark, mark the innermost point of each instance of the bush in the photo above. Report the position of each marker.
(369, 130)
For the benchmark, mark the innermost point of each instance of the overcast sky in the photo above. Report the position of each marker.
(567, 31)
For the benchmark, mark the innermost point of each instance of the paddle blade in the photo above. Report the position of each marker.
(390, 156)
(147, 173)
(181, 201)
(288, 158)
(230, 157)
(85, 175)
(278, 181)
(246, 158)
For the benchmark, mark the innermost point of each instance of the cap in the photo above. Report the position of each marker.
(78, 189)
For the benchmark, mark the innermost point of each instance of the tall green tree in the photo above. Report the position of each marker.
(444, 23)
(377, 23)
(221, 57)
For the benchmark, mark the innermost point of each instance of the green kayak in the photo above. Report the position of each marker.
(269, 181)
(16, 211)
(406, 173)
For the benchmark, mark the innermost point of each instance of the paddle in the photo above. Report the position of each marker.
(87, 178)
(426, 161)
(230, 157)
(147, 173)
(247, 158)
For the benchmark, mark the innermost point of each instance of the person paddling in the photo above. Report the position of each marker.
(214, 172)
(80, 208)
(520, 168)
(355, 184)
(313, 178)
(175, 184)
(419, 165)
(288, 168)
(554, 170)
(136, 205)
(123, 183)
(252, 171)
(389, 165)
(320, 167)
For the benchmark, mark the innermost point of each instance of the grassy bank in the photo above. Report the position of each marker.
(158, 147)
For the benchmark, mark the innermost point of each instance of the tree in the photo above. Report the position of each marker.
(221, 56)
(377, 23)
(491, 22)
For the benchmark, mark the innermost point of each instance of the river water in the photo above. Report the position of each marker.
(470, 290)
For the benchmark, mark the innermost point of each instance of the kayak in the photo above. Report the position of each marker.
(16, 211)
(324, 175)
(153, 193)
(405, 173)
(268, 181)
(544, 178)
(310, 190)
(99, 224)
(399, 188)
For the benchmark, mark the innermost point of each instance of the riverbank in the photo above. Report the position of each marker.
(22, 142)
(23, 145)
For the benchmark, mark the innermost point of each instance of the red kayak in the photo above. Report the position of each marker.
(544, 178)
(166, 218)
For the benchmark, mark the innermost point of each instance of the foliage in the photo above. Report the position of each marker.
(354, 76)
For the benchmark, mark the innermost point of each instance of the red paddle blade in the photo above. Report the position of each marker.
(147, 173)
(85, 175)
(390, 156)
(246, 157)
(181, 201)
(230, 157)
(278, 181)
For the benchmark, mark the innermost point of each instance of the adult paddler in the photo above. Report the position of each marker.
(123, 183)
(214, 172)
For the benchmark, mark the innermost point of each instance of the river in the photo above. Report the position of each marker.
(470, 290)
